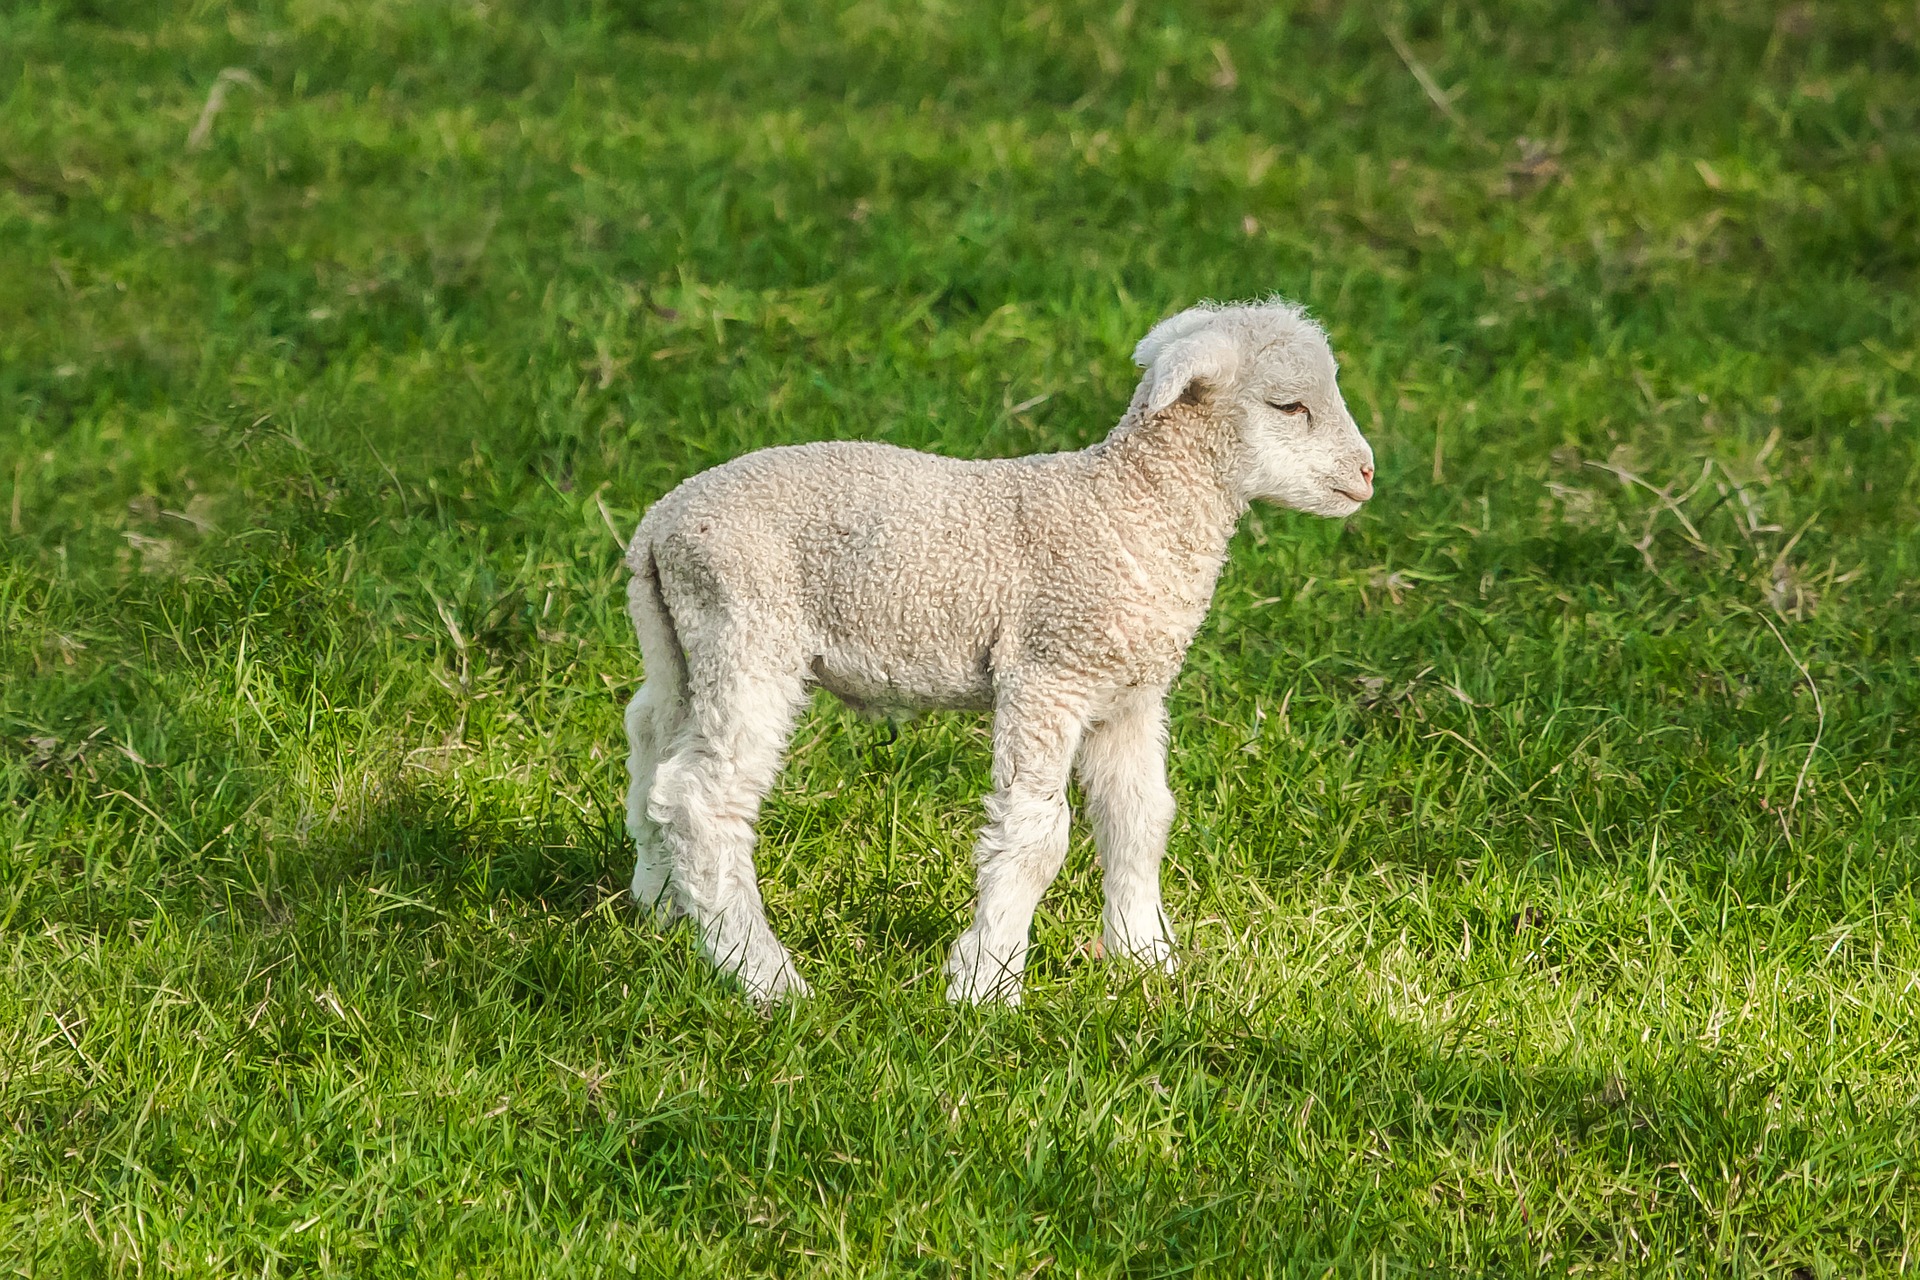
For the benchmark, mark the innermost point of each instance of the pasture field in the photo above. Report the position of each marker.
(1548, 867)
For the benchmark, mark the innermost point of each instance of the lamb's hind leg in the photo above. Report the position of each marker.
(706, 795)
(653, 718)
(1023, 844)
(1124, 775)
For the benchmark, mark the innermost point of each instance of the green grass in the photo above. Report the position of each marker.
(1541, 913)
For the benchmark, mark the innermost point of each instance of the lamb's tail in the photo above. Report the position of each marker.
(664, 660)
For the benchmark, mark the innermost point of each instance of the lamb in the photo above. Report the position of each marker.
(1060, 591)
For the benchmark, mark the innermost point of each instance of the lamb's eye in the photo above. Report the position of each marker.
(1290, 407)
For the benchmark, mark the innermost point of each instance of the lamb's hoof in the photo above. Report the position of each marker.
(658, 908)
(769, 977)
(1154, 951)
(975, 976)
(653, 894)
(785, 984)
(965, 990)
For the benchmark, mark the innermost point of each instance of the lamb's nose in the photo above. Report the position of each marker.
(1366, 473)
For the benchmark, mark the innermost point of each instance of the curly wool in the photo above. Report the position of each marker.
(1060, 590)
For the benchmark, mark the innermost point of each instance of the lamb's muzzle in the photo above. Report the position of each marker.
(1060, 590)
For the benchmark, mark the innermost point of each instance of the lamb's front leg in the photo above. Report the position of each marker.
(1123, 770)
(1035, 732)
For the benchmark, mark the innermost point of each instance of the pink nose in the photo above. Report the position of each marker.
(1366, 473)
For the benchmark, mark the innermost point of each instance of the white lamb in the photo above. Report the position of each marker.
(1060, 591)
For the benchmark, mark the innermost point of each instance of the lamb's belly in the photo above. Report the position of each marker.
(879, 682)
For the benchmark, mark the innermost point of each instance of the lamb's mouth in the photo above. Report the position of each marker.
(1351, 496)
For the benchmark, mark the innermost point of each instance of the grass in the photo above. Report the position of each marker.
(1550, 831)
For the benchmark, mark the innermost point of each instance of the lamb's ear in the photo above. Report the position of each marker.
(1170, 331)
(1207, 356)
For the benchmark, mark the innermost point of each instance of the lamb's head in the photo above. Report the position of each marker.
(1265, 372)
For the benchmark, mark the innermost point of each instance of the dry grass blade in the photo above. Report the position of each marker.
(1667, 500)
(202, 133)
(1439, 97)
(1820, 727)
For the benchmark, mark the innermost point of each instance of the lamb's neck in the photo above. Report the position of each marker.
(1181, 467)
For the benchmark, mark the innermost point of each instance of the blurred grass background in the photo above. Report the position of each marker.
(1549, 831)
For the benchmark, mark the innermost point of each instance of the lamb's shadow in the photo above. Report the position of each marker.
(444, 845)
(864, 838)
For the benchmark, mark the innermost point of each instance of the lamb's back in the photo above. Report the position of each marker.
(900, 569)
(847, 492)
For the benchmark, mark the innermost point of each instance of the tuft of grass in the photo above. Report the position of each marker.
(1550, 832)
